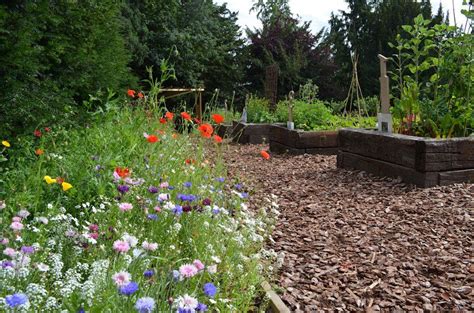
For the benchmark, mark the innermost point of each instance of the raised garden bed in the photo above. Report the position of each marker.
(283, 140)
(420, 161)
(251, 133)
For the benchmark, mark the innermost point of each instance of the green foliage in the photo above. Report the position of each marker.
(365, 30)
(205, 35)
(434, 78)
(53, 53)
(86, 158)
(317, 116)
(258, 110)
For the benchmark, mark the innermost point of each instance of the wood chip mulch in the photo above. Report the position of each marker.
(353, 242)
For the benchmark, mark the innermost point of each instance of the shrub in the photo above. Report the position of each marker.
(258, 111)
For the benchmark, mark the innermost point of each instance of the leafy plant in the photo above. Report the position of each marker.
(433, 79)
(258, 111)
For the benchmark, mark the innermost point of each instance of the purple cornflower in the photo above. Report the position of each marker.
(149, 273)
(210, 290)
(152, 217)
(129, 288)
(153, 189)
(170, 188)
(6, 264)
(187, 184)
(187, 208)
(123, 189)
(81, 310)
(238, 186)
(16, 299)
(215, 210)
(206, 201)
(201, 307)
(220, 179)
(178, 210)
(28, 249)
(145, 305)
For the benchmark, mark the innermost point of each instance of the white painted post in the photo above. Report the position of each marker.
(385, 122)
(290, 125)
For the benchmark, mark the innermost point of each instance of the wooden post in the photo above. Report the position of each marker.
(385, 123)
(290, 125)
(199, 113)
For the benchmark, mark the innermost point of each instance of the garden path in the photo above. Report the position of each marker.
(353, 242)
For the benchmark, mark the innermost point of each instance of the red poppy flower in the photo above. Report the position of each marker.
(122, 172)
(163, 120)
(47, 129)
(265, 155)
(140, 95)
(190, 161)
(131, 93)
(206, 130)
(217, 118)
(217, 138)
(37, 133)
(186, 116)
(169, 116)
(39, 151)
(152, 139)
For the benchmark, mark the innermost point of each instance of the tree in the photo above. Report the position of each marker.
(54, 53)
(285, 41)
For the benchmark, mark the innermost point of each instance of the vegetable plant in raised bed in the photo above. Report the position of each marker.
(432, 98)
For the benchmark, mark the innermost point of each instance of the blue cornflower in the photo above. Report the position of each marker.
(244, 195)
(178, 210)
(149, 273)
(171, 188)
(81, 310)
(16, 299)
(145, 305)
(152, 217)
(185, 197)
(220, 179)
(201, 307)
(129, 288)
(187, 184)
(215, 210)
(123, 189)
(238, 186)
(210, 290)
(176, 275)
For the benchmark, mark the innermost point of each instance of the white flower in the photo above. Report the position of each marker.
(212, 269)
(187, 303)
(50, 205)
(216, 259)
(132, 240)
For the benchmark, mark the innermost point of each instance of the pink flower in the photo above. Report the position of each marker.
(121, 278)
(188, 270)
(150, 246)
(16, 226)
(121, 246)
(164, 185)
(124, 207)
(94, 227)
(157, 209)
(16, 219)
(198, 265)
(94, 235)
(4, 241)
(10, 252)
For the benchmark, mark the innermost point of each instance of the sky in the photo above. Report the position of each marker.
(316, 11)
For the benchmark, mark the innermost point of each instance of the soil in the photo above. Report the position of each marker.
(354, 242)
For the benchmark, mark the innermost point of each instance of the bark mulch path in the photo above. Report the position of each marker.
(353, 242)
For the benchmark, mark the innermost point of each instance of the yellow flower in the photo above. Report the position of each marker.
(49, 180)
(66, 186)
(6, 143)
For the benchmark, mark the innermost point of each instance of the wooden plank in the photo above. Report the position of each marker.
(323, 151)
(319, 139)
(456, 177)
(381, 168)
(278, 148)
